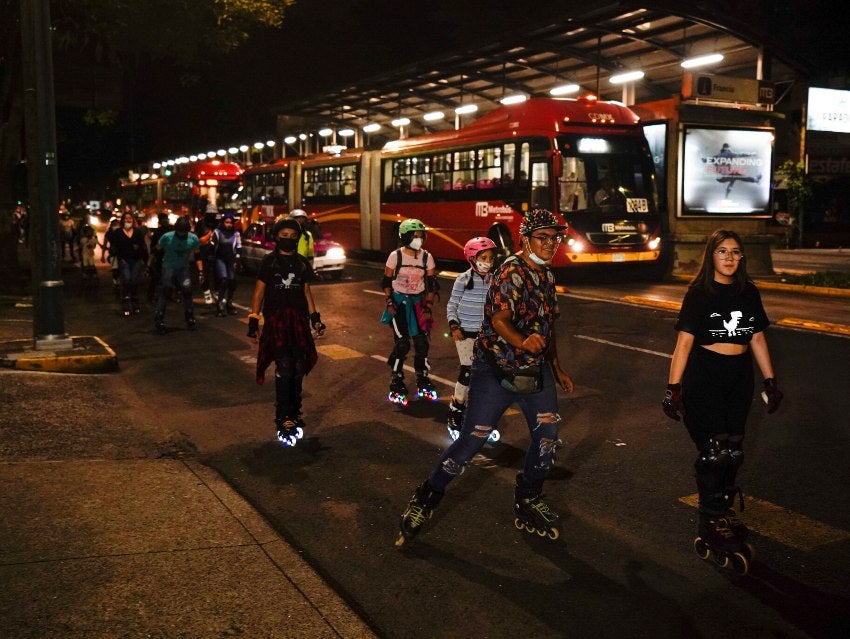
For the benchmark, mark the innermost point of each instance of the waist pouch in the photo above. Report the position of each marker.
(523, 380)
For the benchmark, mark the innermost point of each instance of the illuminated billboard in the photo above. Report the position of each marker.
(828, 110)
(726, 171)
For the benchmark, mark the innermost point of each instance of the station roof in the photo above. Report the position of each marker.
(584, 47)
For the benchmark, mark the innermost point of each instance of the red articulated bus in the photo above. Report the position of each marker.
(184, 189)
(584, 159)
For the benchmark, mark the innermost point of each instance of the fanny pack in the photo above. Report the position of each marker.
(523, 380)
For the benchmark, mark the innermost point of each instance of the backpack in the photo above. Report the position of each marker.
(424, 266)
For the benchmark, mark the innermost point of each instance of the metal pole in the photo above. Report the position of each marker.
(43, 181)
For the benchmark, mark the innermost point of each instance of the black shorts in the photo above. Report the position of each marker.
(717, 391)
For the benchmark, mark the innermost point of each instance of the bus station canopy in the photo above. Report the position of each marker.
(585, 46)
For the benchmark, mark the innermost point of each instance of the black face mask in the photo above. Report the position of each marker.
(286, 244)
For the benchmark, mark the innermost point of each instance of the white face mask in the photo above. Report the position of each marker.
(482, 267)
(128, 225)
(416, 243)
(534, 257)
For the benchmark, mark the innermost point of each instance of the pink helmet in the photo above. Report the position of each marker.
(474, 246)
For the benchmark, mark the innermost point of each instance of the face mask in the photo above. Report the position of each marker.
(416, 243)
(482, 267)
(128, 225)
(533, 256)
(286, 244)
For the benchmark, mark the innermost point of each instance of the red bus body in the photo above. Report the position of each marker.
(184, 189)
(584, 159)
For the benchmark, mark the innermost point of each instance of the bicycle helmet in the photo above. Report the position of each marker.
(474, 246)
(407, 228)
(539, 219)
(294, 213)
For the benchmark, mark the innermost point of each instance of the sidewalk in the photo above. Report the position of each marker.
(150, 548)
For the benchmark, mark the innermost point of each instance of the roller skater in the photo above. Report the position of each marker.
(515, 362)
(710, 386)
(175, 248)
(398, 390)
(410, 284)
(128, 245)
(532, 513)
(465, 312)
(224, 248)
(283, 292)
(419, 510)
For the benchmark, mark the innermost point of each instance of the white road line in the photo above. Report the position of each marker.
(626, 346)
(409, 369)
(366, 290)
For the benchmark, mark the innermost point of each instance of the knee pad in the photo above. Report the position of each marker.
(712, 468)
(464, 375)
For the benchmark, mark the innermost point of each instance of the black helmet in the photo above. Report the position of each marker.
(286, 223)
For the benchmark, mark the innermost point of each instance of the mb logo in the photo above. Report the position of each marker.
(481, 209)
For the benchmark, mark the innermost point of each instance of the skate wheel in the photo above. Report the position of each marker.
(701, 548)
(454, 434)
(494, 436)
(540, 532)
(518, 523)
(399, 542)
(299, 433)
(749, 551)
(739, 563)
(720, 560)
(529, 528)
(553, 533)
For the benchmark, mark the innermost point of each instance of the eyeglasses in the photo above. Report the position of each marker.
(725, 254)
(548, 239)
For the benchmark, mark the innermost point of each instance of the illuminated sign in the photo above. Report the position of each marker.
(828, 110)
(726, 89)
(593, 145)
(726, 171)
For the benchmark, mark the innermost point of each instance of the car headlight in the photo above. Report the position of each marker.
(336, 253)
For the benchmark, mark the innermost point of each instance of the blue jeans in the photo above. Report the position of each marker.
(175, 278)
(487, 402)
(129, 272)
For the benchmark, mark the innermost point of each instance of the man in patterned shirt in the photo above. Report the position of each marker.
(516, 361)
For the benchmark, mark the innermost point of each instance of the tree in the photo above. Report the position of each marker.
(798, 186)
(126, 34)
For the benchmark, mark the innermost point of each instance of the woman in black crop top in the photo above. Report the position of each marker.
(720, 331)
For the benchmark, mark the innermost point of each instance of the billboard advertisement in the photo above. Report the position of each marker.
(828, 110)
(726, 171)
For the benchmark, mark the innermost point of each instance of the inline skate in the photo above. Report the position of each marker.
(533, 514)
(717, 541)
(190, 320)
(419, 510)
(424, 387)
(159, 323)
(398, 390)
(289, 430)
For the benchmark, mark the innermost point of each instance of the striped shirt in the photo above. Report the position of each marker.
(466, 306)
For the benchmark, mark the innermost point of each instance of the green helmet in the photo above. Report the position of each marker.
(409, 226)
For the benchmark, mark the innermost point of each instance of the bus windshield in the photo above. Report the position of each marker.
(605, 175)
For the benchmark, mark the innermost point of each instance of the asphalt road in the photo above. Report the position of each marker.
(624, 565)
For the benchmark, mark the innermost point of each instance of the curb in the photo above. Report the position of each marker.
(87, 355)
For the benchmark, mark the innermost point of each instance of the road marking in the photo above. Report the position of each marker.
(785, 526)
(812, 325)
(336, 351)
(626, 346)
(366, 290)
(649, 301)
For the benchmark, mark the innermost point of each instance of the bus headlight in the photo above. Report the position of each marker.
(654, 243)
(336, 253)
(574, 245)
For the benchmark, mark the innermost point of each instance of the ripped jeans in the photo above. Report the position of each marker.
(487, 402)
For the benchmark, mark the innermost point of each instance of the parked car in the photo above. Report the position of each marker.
(257, 242)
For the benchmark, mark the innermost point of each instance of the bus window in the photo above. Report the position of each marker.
(508, 165)
(464, 170)
(489, 168)
(540, 185)
(573, 185)
(442, 172)
(524, 162)
(349, 179)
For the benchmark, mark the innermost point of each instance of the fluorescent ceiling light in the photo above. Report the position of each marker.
(702, 60)
(346, 133)
(290, 139)
(466, 108)
(244, 148)
(401, 122)
(325, 132)
(564, 89)
(628, 76)
(514, 99)
(258, 145)
(372, 127)
(434, 115)
(221, 153)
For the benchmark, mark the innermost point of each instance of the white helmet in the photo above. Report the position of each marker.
(298, 213)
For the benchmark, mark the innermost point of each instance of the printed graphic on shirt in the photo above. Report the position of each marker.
(280, 282)
(732, 327)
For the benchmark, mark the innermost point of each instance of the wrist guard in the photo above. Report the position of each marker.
(672, 405)
(772, 396)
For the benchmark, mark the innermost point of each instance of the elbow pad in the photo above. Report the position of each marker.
(432, 283)
(386, 282)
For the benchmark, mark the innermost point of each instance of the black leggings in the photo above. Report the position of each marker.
(717, 391)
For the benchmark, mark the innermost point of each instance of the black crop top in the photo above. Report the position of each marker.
(723, 317)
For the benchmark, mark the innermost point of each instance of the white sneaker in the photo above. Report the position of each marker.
(208, 298)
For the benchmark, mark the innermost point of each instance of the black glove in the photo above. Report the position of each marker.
(672, 403)
(772, 396)
(253, 326)
(391, 306)
(316, 323)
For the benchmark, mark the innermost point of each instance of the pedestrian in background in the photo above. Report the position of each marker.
(515, 361)
(176, 248)
(282, 292)
(225, 250)
(128, 245)
(465, 313)
(720, 331)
